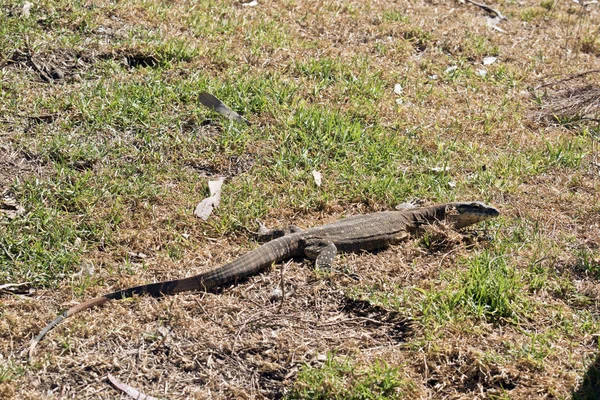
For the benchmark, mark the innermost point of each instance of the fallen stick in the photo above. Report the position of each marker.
(129, 390)
(568, 78)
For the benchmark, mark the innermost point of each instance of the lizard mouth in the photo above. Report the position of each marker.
(468, 214)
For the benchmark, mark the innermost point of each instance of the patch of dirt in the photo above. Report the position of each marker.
(228, 166)
(62, 65)
(464, 372)
(50, 67)
(15, 164)
(569, 99)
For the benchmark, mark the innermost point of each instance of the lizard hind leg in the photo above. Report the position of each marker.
(322, 251)
(265, 234)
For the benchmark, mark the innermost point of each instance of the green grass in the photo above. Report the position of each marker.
(343, 379)
(488, 289)
(588, 262)
(9, 372)
(40, 246)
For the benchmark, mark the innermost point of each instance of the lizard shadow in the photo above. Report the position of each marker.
(397, 327)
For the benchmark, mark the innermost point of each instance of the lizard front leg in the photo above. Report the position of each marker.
(322, 251)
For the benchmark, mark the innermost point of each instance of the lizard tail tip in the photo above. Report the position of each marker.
(43, 333)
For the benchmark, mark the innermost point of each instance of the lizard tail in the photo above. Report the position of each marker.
(79, 307)
(246, 265)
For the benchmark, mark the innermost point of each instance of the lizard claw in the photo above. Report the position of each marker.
(262, 229)
(407, 205)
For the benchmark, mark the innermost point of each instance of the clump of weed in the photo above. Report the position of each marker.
(489, 289)
(342, 379)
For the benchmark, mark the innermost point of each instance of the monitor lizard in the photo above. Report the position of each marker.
(321, 243)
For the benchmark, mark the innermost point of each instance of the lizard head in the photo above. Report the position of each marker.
(461, 214)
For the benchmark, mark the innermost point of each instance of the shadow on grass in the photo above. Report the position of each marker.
(590, 387)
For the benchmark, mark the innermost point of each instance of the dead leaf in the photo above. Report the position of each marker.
(130, 391)
(451, 69)
(26, 10)
(206, 206)
(214, 187)
(217, 105)
(317, 177)
(137, 256)
(439, 169)
(488, 9)
(489, 60)
(398, 89)
(10, 207)
(87, 269)
(17, 289)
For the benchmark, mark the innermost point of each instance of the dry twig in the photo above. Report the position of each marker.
(568, 78)
(130, 391)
